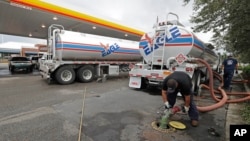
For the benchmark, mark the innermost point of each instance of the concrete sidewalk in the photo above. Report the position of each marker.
(233, 116)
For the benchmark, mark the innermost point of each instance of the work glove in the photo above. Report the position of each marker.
(167, 105)
(185, 109)
(236, 72)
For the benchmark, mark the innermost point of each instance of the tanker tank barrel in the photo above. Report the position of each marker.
(169, 47)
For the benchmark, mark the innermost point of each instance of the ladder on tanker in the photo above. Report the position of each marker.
(158, 55)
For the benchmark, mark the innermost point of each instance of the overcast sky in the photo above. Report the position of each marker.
(139, 14)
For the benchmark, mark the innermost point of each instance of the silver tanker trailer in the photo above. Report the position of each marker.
(171, 47)
(83, 57)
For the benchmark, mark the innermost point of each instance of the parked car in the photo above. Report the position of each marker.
(34, 61)
(20, 63)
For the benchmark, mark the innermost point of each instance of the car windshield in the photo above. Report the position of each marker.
(19, 59)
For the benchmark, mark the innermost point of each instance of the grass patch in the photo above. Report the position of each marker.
(245, 112)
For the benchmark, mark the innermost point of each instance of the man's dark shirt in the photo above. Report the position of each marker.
(184, 82)
(230, 64)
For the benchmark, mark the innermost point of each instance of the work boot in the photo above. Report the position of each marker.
(194, 123)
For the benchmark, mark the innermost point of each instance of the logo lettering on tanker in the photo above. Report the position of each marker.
(159, 38)
(107, 50)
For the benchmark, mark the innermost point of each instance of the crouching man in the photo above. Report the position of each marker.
(180, 82)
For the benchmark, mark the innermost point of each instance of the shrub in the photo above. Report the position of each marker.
(240, 67)
(246, 70)
(245, 112)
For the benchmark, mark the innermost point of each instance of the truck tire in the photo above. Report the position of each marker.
(65, 75)
(196, 80)
(85, 73)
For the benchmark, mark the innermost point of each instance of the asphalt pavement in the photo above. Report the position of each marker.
(30, 109)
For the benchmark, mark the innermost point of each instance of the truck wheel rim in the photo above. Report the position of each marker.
(66, 75)
(87, 74)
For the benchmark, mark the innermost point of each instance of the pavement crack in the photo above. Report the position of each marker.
(26, 115)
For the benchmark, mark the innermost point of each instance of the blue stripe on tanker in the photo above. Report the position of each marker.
(93, 48)
(179, 41)
(182, 41)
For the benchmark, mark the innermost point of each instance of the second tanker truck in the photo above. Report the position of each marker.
(171, 47)
(78, 56)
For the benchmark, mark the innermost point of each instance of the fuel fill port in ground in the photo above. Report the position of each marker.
(169, 128)
(163, 124)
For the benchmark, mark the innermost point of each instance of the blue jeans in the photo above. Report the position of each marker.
(227, 77)
(192, 113)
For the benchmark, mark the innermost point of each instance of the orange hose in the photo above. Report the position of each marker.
(238, 100)
(224, 100)
(217, 105)
(239, 81)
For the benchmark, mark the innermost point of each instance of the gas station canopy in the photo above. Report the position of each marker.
(31, 18)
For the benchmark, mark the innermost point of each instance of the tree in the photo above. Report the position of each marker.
(229, 20)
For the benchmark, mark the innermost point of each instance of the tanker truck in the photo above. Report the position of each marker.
(170, 47)
(78, 56)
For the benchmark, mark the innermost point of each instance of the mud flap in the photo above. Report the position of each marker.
(135, 82)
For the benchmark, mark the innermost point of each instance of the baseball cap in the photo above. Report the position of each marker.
(171, 85)
(229, 55)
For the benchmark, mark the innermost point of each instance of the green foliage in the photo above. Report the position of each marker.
(244, 57)
(246, 70)
(240, 67)
(229, 20)
(245, 112)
